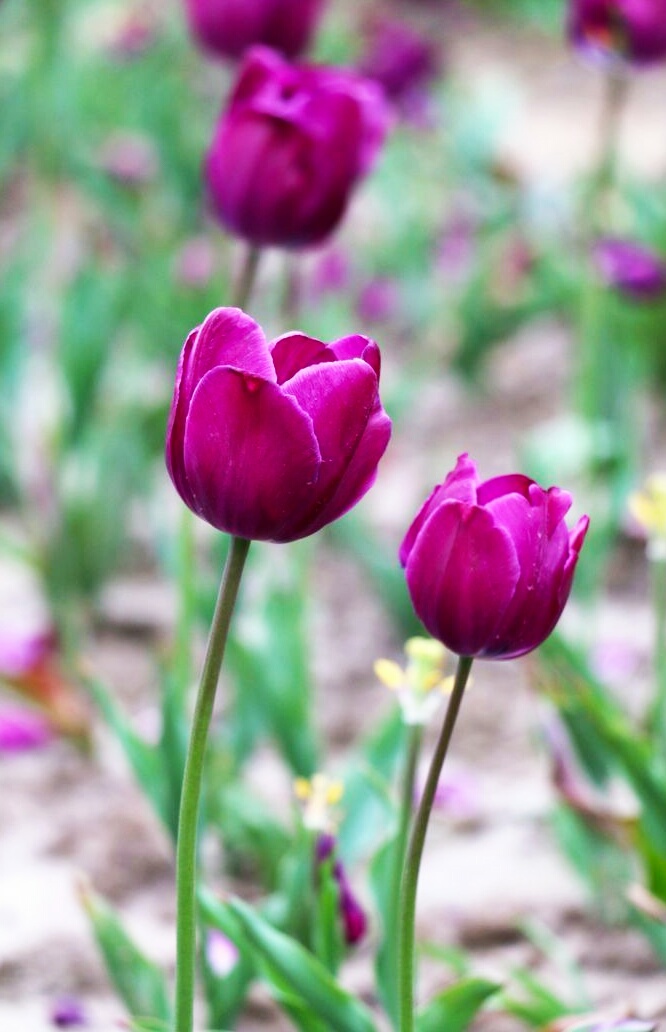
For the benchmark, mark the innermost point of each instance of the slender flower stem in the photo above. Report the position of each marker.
(186, 852)
(592, 374)
(415, 737)
(247, 277)
(659, 603)
(407, 912)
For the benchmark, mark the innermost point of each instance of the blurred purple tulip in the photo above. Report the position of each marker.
(273, 441)
(489, 564)
(229, 27)
(403, 62)
(289, 148)
(352, 914)
(634, 30)
(67, 1012)
(22, 729)
(632, 269)
(379, 300)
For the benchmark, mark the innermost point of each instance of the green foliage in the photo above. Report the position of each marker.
(139, 983)
(455, 1007)
(298, 980)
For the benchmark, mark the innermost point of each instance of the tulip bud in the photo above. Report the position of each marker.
(273, 441)
(227, 28)
(489, 565)
(633, 30)
(634, 270)
(289, 148)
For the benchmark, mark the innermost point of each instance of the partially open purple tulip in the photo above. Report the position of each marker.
(634, 270)
(289, 148)
(273, 441)
(489, 564)
(633, 30)
(229, 27)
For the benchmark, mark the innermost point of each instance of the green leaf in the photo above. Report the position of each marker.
(139, 982)
(144, 759)
(454, 1008)
(291, 970)
(536, 1005)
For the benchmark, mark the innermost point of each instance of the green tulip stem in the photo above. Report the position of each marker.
(407, 911)
(247, 277)
(659, 604)
(593, 373)
(186, 850)
(414, 740)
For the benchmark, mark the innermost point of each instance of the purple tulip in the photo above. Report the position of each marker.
(634, 30)
(290, 146)
(489, 564)
(67, 1012)
(352, 914)
(229, 27)
(22, 729)
(399, 59)
(632, 269)
(273, 441)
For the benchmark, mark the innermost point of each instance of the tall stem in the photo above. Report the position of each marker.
(407, 912)
(592, 373)
(186, 852)
(247, 277)
(659, 604)
(406, 808)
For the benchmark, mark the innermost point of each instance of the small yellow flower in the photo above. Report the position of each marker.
(648, 507)
(320, 797)
(420, 685)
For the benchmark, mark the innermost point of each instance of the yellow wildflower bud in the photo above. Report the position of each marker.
(320, 797)
(648, 507)
(420, 684)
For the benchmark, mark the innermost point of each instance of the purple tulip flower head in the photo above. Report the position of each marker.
(289, 148)
(230, 27)
(633, 270)
(489, 564)
(403, 62)
(273, 441)
(629, 30)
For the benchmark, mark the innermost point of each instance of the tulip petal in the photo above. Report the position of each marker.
(358, 346)
(460, 484)
(251, 456)
(176, 427)
(228, 337)
(351, 428)
(294, 351)
(536, 526)
(462, 572)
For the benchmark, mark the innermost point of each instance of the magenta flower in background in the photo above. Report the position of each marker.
(634, 270)
(353, 916)
(290, 147)
(489, 564)
(403, 62)
(634, 30)
(22, 729)
(273, 441)
(379, 300)
(229, 27)
(68, 1012)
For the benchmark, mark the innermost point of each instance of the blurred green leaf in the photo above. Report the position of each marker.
(139, 982)
(298, 980)
(455, 1007)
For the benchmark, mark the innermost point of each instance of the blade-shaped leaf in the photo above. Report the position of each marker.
(291, 971)
(453, 1009)
(139, 982)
